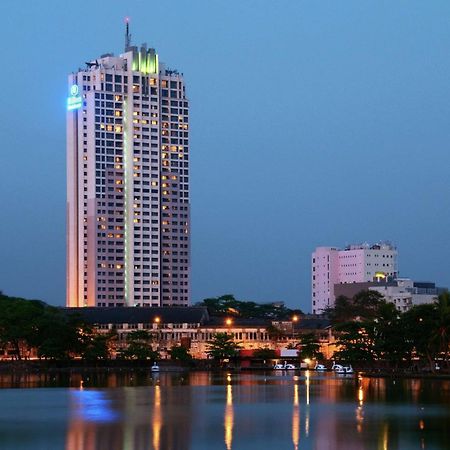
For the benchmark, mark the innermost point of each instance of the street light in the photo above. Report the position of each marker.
(294, 320)
(229, 322)
(157, 321)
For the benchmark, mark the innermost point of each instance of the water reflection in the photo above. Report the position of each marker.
(90, 412)
(385, 438)
(229, 417)
(307, 375)
(206, 410)
(296, 419)
(157, 419)
(359, 408)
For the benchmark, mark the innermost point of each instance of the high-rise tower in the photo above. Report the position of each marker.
(128, 211)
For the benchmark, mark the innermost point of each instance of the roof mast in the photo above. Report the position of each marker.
(127, 33)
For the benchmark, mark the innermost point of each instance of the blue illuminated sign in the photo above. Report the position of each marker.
(74, 101)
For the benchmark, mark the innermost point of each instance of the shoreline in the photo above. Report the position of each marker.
(63, 367)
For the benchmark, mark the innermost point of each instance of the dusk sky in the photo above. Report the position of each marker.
(313, 123)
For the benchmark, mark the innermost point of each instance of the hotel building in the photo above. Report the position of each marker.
(128, 210)
(353, 264)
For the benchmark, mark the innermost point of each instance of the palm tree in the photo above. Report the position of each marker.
(441, 334)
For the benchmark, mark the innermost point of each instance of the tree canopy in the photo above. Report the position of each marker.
(376, 330)
(222, 346)
(27, 324)
(52, 332)
(138, 346)
(227, 305)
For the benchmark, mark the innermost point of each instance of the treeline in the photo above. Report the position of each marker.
(227, 305)
(371, 331)
(32, 328)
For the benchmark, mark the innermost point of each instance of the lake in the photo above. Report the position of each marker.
(202, 410)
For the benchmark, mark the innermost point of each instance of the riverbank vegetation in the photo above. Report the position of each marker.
(373, 333)
(368, 332)
(31, 324)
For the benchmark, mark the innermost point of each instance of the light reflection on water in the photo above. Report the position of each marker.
(130, 411)
(229, 417)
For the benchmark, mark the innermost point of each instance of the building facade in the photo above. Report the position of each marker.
(128, 209)
(194, 328)
(353, 264)
(406, 293)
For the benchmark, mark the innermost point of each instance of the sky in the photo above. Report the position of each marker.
(313, 123)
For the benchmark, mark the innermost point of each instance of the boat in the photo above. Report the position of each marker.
(320, 367)
(336, 367)
(345, 370)
(284, 366)
(348, 369)
(155, 367)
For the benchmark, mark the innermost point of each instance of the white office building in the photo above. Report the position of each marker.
(353, 264)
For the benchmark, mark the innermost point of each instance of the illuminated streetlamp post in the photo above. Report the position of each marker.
(157, 321)
(294, 321)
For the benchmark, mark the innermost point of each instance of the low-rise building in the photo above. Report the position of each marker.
(194, 328)
(404, 293)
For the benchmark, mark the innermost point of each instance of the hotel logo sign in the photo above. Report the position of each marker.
(74, 101)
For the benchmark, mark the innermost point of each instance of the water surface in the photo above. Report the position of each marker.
(140, 411)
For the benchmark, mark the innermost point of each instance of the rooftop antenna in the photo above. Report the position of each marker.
(127, 33)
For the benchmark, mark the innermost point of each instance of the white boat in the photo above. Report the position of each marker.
(336, 367)
(345, 370)
(320, 367)
(155, 367)
(284, 366)
(348, 369)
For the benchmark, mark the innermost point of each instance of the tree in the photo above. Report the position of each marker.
(309, 347)
(227, 305)
(264, 353)
(138, 346)
(441, 334)
(341, 311)
(363, 305)
(220, 306)
(58, 335)
(97, 346)
(421, 328)
(222, 346)
(180, 353)
(27, 324)
(367, 303)
(387, 333)
(18, 323)
(354, 342)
